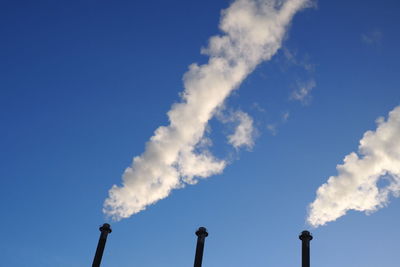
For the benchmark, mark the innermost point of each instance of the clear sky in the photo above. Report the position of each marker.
(84, 85)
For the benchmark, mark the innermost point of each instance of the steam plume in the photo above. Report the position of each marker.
(356, 185)
(252, 32)
(244, 133)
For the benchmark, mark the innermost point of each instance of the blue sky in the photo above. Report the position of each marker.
(84, 85)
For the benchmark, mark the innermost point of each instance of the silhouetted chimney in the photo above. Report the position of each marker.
(105, 230)
(305, 238)
(201, 237)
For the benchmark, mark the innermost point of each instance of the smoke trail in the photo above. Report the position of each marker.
(244, 133)
(356, 185)
(253, 32)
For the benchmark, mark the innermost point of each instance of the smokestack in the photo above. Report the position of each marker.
(305, 238)
(105, 230)
(201, 236)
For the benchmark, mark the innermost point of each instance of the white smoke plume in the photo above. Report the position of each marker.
(244, 132)
(356, 187)
(252, 32)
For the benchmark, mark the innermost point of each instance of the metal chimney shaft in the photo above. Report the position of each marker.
(105, 230)
(305, 238)
(201, 236)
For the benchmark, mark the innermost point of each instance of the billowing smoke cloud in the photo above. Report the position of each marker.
(357, 185)
(252, 32)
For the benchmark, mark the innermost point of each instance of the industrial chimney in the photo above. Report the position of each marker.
(305, 238)
(105, 230)
(201, 236)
